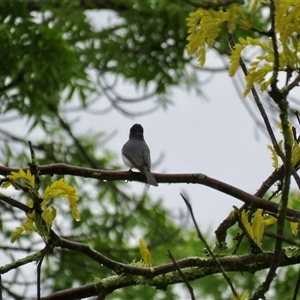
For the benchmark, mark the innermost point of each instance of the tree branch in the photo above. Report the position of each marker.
(193, 268)
(196, 178)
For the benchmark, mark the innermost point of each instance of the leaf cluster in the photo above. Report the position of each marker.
(205, 29)
(39, 61)
(41, 220)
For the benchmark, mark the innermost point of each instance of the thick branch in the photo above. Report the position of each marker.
(193, 268)
(64, 169)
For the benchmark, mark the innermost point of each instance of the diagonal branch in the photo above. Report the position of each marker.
(183, 276)
(203, 240)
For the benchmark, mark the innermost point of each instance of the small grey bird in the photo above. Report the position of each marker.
(136, 153)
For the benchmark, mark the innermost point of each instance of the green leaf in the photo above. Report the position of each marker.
(292, 251)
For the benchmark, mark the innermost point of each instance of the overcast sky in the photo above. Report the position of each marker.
(216, 137)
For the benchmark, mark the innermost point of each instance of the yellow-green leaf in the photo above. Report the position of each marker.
(270, 221)
(243, 297)
(16, 234)
(28, 177)
(203, 28)
(273, 156)
(280, 144)
(247, 225)
(295, 154)
(27, 227)
(40, 227)
(294, 228)
(258, 227)
(146, 255)
(61, 189)
(49, 215)
(5, 184)
(235, 59)
(30, 203)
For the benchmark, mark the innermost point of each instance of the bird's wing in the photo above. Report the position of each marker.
(134, 156)
(147, 158)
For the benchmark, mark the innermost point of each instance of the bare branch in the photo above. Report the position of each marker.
(297, 287)
(196, 178)
(183, 276)
(203, 240)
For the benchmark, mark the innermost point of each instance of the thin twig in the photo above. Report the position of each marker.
(281, 237)
(34, 169)
(183, 276)
(297, 287)
(102, 295)
(294, 83)
(38, 286)
(259, 104)
(203, 240)
(0, 287)
(76, 141)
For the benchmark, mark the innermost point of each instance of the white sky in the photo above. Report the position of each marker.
(215, 137)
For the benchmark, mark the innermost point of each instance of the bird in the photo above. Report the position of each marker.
(136, 153)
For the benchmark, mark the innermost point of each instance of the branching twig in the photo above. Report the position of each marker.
(19, 77)
(259, 105)
(102, 295)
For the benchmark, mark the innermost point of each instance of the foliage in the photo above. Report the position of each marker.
(41, 223)
(256, 228)
(205, 26)
(53, 55)
(277, 53)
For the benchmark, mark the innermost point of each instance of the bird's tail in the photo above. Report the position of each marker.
(150, 178)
